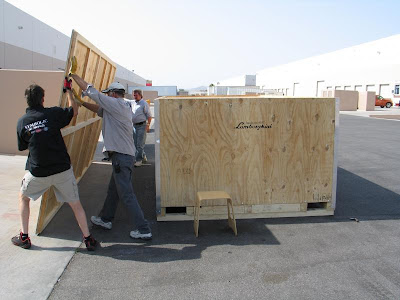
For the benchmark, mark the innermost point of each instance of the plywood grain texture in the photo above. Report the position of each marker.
(261, 151)
(82, 134)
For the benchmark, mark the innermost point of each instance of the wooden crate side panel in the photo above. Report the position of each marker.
(76, 150)
(92, 142)
(248, 148)
(82, 156)
(97, 129)
(205, 145)
(106, 80)
(95, 73)
(81, 52)
(101, 73)
(112, 74)
(48, 208)
(82, 134)
(88, 74)
(322, 132)
(68, 142)
(92, 67)
(63, 98)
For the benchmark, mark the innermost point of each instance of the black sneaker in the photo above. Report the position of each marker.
(90, 243)
(20, 242)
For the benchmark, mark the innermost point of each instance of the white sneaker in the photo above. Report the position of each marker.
(138, 163)
(135, 234)
(98, 221)
(144, 159)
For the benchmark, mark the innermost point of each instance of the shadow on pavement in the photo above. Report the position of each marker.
(61, 249)
(356, 197)
(361, 198)
(174, 241)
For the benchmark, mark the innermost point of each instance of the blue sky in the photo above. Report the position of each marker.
(192, 43)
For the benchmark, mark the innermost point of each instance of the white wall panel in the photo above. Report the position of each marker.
(321, 86)
(18, 27)
(296, 89)
(41, 39)
(24, 31)
(2, 45)
(358, 88)
(128, 75)
(385, 90)
(28, 43)
(375, 62)
(371, 88)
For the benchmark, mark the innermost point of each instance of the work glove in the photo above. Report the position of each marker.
(67, 84)
(73, 67)
(78, 100)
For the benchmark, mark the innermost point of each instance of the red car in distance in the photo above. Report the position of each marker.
(383, 102)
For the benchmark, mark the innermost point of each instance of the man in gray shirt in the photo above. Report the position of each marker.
(141, 115)
(118, 145)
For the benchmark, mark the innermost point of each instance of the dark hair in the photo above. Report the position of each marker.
(119, 92)
(34, 95)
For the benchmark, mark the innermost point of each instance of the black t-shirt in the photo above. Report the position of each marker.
(39, 131)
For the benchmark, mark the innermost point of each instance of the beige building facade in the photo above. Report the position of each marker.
(12, 86)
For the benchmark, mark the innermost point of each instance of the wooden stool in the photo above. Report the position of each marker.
(214, 195)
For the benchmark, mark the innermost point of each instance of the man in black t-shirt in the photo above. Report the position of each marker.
(48, 161)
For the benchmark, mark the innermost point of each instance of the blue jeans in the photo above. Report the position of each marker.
(120, 188)
(139, 137)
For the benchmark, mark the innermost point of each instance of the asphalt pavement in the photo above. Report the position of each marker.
(353, 254)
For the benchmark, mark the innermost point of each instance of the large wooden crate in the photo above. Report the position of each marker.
(82, 135)
(274, 156)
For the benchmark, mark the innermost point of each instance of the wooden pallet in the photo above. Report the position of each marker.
(83, 132)
(248, 211)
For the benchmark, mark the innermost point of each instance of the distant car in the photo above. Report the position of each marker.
(383, 102)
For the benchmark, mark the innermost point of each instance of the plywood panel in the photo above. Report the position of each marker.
(82, 134)
(259, 150)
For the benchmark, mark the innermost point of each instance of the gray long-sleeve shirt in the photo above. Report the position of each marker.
(117, 121)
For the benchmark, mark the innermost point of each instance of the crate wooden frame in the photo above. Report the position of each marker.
(170, 124)
(82, 134)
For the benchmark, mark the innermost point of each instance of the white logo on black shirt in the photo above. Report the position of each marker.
(37, 126)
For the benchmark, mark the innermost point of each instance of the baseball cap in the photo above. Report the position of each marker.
(114, 86)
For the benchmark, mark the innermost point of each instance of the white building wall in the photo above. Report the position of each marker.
(24, 31)
(128, 75)
(29, 44)
(375, 64)
(2, 46)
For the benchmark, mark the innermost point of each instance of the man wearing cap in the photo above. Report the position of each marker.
(118, 145)
(141, 115)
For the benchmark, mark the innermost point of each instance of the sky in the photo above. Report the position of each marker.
(191, 43)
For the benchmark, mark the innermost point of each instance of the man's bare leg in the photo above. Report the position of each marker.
(24, 210)
(80, 216)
